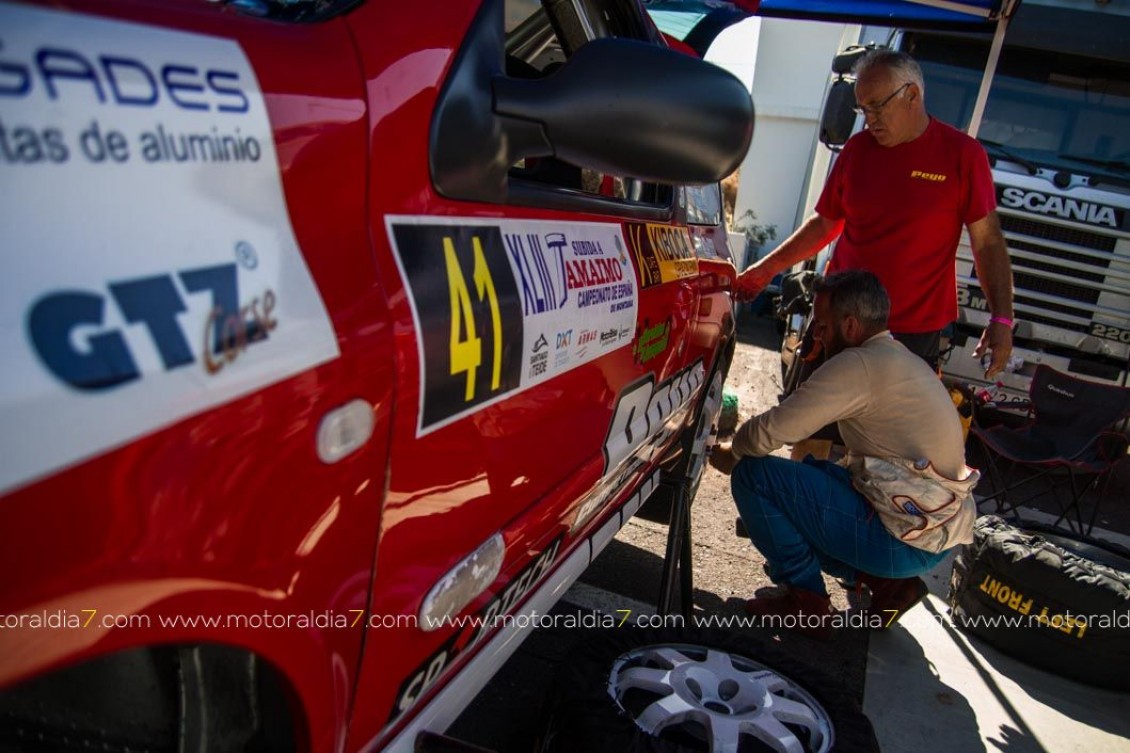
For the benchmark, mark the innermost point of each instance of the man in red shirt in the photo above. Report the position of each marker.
(897, 198)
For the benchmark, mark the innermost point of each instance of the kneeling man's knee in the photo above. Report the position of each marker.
(750, 474)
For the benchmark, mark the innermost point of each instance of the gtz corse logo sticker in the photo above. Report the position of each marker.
(104, 359)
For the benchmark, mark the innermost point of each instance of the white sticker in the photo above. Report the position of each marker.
(150, 271)
(502, 305)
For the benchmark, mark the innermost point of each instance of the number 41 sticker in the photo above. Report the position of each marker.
(466, 345)
(470, 335)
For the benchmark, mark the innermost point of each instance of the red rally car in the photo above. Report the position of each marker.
(330, 327)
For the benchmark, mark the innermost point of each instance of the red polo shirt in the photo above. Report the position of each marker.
(903, 209)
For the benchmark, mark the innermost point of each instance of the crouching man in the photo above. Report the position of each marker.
(896, 502)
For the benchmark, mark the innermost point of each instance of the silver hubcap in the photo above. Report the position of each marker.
(717, 698)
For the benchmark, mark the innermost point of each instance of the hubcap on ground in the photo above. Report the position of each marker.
(724, 702)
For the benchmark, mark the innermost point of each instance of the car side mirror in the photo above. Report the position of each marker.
(634, 109)
(617, 106)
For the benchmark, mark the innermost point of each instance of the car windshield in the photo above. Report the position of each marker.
(1059, 111)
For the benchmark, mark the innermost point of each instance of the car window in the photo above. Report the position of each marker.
(539, 39)
(704, 204)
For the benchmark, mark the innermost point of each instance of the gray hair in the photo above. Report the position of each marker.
(902, 67)
(858, 293)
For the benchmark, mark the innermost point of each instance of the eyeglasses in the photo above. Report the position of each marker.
(876, 109)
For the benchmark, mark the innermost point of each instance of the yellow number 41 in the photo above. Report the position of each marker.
(466, 345)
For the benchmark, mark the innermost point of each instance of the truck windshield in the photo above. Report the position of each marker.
(1068, 112)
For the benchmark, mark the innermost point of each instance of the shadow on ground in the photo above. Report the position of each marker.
(621, 563)
(518, 692)
(939, 711)
(760, 331)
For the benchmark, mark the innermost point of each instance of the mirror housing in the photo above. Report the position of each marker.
(837, 120)
(617, 106)
(637, 110)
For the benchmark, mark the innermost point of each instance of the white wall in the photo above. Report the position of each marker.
(788, 66)
(735, 49)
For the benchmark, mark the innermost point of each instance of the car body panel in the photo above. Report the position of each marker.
(223, 523)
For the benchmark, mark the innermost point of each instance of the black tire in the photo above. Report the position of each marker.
(1050, 598)
(759, 688)
(790, 362)
(160, 698)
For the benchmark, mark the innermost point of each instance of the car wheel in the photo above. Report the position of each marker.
(696, 442)
(705, 431)
(674, 690)
(1048, 597)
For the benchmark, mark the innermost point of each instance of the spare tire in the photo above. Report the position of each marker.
(680, 690)
(1051, 598)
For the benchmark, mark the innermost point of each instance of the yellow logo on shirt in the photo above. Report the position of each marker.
(935, 177)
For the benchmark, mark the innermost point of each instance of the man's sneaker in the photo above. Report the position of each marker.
(804, 612)
(891, 598)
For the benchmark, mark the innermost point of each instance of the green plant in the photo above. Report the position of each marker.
(756, 234)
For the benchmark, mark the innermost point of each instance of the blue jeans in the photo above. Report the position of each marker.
(806, 517)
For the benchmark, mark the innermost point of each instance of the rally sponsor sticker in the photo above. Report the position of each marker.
(150, 271)
(663, 253)
(501, 306)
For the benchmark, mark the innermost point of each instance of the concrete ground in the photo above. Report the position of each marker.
(930, 687)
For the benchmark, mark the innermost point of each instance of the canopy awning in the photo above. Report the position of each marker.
(698, 22)
(903, 13)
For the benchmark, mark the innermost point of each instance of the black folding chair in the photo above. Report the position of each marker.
(1068, 441)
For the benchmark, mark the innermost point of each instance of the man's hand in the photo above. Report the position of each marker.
(723, 458)
(751, 282)
(994, 275)
(996, 339)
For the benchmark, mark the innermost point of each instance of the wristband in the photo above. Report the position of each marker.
(1001, 320)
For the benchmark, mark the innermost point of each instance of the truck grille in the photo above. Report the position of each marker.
(1047, 231)
(1081, 273)
(1053, 321)
(1062, 262)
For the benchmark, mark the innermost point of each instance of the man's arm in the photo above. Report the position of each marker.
(816, 232)
(838, 389)
(994, 271)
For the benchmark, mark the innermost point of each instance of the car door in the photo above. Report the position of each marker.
(197, 388)
(541, 354)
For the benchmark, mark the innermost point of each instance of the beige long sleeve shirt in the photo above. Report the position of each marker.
(885, 400)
